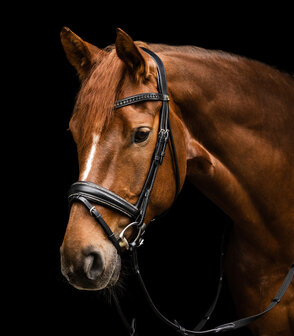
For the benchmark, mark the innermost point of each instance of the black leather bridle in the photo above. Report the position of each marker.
(89, 193)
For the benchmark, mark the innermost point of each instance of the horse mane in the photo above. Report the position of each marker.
(217, 55)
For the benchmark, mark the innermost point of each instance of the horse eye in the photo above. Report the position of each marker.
(141, 134)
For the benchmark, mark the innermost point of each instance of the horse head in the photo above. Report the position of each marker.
(115, 149)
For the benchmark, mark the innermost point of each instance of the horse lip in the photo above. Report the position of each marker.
(116, 272)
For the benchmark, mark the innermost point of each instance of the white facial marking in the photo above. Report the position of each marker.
(90, 158)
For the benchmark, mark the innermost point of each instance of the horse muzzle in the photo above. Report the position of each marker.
(91, 269)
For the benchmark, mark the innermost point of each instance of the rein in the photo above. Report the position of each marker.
(88, 193)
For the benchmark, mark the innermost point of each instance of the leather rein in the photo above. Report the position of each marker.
(89, 193)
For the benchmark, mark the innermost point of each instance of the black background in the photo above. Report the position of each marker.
(180, 257)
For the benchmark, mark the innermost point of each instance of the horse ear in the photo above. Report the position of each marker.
(82, 55)
(131, 55)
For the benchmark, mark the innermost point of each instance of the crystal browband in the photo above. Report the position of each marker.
(140, 98)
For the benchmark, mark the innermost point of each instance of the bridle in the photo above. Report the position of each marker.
(89, 193)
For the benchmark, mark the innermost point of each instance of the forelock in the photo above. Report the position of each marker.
(98, 93)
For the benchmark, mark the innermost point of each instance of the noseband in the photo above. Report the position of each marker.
(89, 193)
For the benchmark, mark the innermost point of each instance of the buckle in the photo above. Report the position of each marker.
(92, 210)
(163, 135)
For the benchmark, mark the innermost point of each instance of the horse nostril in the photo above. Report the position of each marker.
(93, 264)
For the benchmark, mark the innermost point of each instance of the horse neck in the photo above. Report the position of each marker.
(234, 111)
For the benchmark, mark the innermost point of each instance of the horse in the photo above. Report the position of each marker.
(232, 120)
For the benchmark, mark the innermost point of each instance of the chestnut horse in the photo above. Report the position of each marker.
(232, 120)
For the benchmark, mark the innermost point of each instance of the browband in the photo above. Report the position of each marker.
(140, 98)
